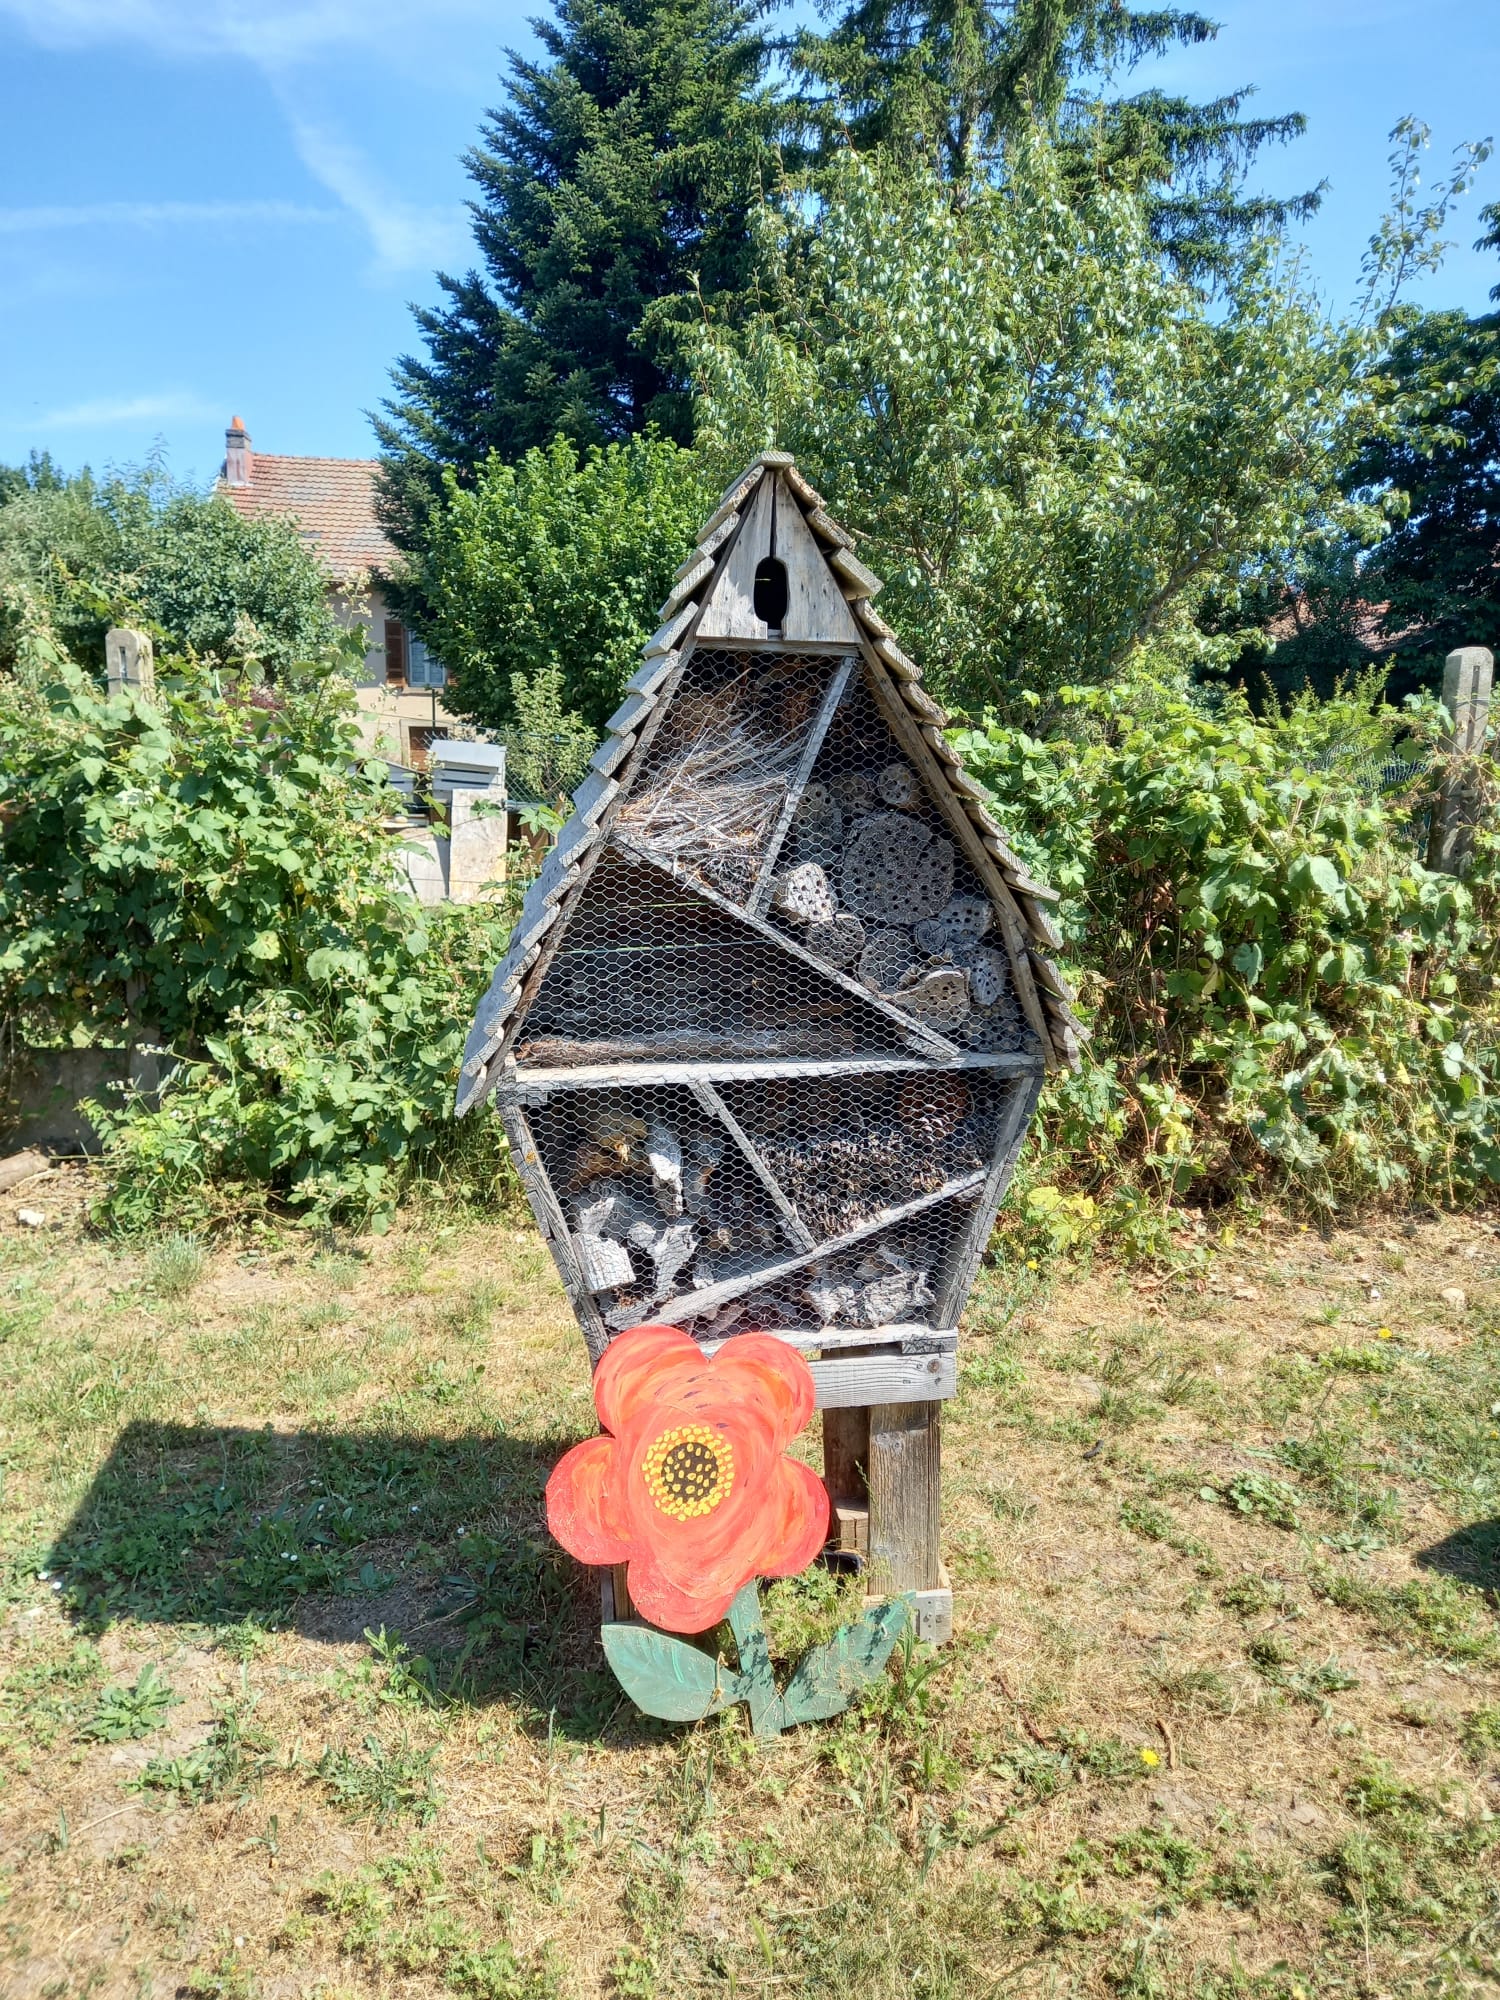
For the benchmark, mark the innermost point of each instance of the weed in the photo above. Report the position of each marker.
(1248, 1595)
(175, 1266)
(228, 1765)
(1155, 1524)
(1481, 1734)
(125, 1713)
(383, 1783)
(1258, 1494)
(1360, 1360)
(1434, 1613)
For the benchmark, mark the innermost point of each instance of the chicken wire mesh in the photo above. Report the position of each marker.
(777, 888)
(649, 969)
(675, 1194)
(870, 881)
(710, 793)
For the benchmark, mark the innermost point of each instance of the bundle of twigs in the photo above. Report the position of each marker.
(718, 790)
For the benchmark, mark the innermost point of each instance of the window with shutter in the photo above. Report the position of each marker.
(422, 670)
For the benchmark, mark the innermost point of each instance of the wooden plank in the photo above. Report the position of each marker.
(611, 753)
(803, 487)
(631, 713)
(906, 670)
(852, 1382)
(1468, 686)
(535, 1085)
(872, 621)
(691, 1305)
(593, 795)
(913, 739)
(914, 1033)
(553, 1224)
(858, 581)
(921, 703)
(968, 1250)
(846, 1444)
(905, 1337)
(824, 525)
(832, 696)
(1037, 891)
(729, 609)
(903, 1470)
(666, 637)
(650, 674)
(734, 498)
(791, 1222)
(713, 539)
(815, 606)
(697, 572)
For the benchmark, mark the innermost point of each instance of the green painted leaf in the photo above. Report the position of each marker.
(829, 1676)
(668, 1677)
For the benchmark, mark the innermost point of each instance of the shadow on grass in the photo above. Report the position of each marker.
(330, 1533)
(1470, 1555)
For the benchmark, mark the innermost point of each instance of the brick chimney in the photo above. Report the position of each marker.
(239, 460)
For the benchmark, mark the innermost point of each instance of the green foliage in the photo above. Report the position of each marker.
(1283, 993)
(554, 565)
(1258, 1493)
(123, 1713)
(955, 81)
(77, 555)
(383, 1783)
(209, 869)
(613, 183)
(1052, 448)
(175, 1266)
(234, 589)
(227, 1765)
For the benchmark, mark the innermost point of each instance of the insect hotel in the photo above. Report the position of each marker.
(778, 1009)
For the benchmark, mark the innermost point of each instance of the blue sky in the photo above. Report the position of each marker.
(221, 206)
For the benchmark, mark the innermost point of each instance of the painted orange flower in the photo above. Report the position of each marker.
(690, 1485)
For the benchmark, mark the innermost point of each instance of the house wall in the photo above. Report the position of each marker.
(389, 712)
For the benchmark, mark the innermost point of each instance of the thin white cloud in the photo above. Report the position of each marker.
(104, 411)
(157, 215)
(406, 235)
(288, 41)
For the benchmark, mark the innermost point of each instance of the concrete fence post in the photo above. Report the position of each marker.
(130, 660)
(1468, 683)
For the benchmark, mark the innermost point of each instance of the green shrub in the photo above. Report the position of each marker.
(1281, 995)
(209, 870)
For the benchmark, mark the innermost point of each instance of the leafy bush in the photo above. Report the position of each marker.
(209, 870)
(557, 562)
(1281, 994)
(78, 554)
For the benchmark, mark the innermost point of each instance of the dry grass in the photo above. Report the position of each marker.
(1223, 1714)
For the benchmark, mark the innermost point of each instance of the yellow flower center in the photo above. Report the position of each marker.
(688, 1471)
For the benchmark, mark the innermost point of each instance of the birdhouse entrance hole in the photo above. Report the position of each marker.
(771, 593)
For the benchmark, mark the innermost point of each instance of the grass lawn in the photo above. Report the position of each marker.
(296, 1696)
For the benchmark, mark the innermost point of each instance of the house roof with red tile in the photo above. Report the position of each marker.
(331, 499)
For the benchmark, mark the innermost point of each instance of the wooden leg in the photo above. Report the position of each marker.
(905, 1498)
(846, 1445)
(614, 1595)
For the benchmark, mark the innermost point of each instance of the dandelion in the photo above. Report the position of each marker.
(1150, 1759)
(1031, 1263)
(1385, 1334)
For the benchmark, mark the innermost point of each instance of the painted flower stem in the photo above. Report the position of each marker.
(766, 1716)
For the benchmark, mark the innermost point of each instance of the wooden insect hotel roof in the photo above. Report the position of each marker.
(777, 1009)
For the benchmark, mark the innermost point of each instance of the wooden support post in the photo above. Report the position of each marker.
(1468, 682)
(903, 1464)
(846, 1446)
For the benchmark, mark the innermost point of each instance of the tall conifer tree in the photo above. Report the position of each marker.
(954, 79)
(615, 179)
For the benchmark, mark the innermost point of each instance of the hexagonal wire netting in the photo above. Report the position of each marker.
(774, 794)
